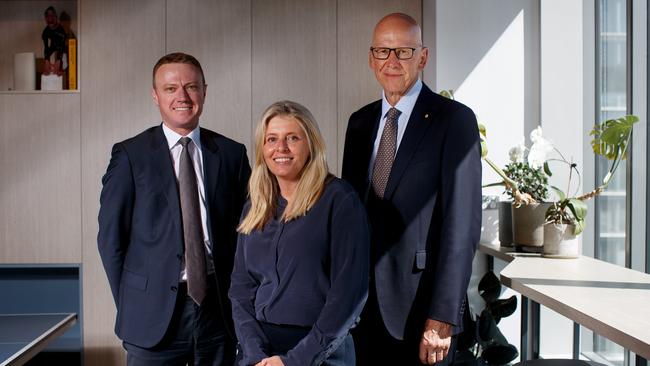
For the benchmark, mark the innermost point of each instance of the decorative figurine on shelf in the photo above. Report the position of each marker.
(54, 37)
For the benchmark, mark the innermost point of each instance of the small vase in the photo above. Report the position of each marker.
(490, 220)
(528, 226)
(560, 242)
(505, 223)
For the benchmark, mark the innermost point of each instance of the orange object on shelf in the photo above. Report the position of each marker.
(72, 63)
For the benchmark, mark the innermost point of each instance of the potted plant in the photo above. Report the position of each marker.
(481, 342)
(527, 168)
(565, 218)
(526, 182)
(512, 187)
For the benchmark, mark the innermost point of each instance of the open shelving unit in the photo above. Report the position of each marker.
(21, 25)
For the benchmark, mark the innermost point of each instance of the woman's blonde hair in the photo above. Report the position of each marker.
(263, 185)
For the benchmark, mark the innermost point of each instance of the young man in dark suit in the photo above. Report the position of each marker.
(414, 158)
(170, 203)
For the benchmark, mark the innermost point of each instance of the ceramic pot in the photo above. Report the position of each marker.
(560, 242)
(528, 226)
(505, 223)
(490, 220)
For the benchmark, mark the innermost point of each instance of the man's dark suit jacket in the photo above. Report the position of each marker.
(140, 232)
(425, 231)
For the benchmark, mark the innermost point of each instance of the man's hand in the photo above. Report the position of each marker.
(270, 361)
(435, 342)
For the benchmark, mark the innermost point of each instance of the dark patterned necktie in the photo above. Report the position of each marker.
(195, 266)
(385, 153)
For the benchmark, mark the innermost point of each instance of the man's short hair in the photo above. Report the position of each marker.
(50, 8)
(177, 58)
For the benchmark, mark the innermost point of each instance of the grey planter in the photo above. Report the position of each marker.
(528, 225)
(505, 223)
(560, 242)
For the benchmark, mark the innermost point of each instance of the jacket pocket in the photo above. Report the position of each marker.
(134, 280)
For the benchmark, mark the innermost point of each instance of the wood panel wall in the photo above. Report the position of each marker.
(218, 34)
(40, 179)
(253, 53)
(294, 57)
(357, 85)
(120, 41)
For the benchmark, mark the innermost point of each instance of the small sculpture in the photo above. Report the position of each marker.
(54, 37)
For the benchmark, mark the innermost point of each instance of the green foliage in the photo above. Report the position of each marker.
(568, 211)
(481, 343)
(529, 180)
(483, 134)
(612, 137)
(449, 94)
(489, 287)
(610, 140)
(502, 308)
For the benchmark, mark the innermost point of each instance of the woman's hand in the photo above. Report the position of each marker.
(270, 361)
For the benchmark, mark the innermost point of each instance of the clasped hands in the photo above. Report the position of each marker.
(271, 361)
(434, 345)
(435, 342)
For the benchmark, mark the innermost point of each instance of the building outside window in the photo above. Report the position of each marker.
(611, 102)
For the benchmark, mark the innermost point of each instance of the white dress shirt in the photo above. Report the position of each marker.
(405, 105)
(175, 149)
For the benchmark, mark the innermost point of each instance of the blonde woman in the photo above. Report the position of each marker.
(301, 270)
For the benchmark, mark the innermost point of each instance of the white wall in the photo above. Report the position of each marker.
(517, 64)
(487, 51)
(562, 122)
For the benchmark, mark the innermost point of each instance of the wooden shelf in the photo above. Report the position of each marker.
(21, 25)
(38, 91)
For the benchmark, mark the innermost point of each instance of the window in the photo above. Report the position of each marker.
(611, 215)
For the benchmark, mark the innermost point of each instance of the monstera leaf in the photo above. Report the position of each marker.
(502, 308)
(612, 137)
(496, 349)
(489, 287)
(499, 354)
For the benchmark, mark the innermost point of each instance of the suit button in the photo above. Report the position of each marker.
(174, 288)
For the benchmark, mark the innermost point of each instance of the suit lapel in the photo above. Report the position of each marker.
(359, 145)
(369, 142)
(420, 120)
(163, 165)
(211, 163)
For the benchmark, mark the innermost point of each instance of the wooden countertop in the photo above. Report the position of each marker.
(611, 300)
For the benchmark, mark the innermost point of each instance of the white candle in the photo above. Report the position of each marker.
(24, 71)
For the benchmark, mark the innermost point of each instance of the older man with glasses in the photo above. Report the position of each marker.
(414, 158)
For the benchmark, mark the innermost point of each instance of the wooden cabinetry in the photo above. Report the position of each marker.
(40, 204)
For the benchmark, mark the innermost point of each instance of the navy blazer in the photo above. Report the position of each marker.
(425, 231)
(140, 236)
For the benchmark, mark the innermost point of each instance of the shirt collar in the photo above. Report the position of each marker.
(405, 103)
(173, 137)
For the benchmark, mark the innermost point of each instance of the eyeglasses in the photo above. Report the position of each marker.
(402, 53)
